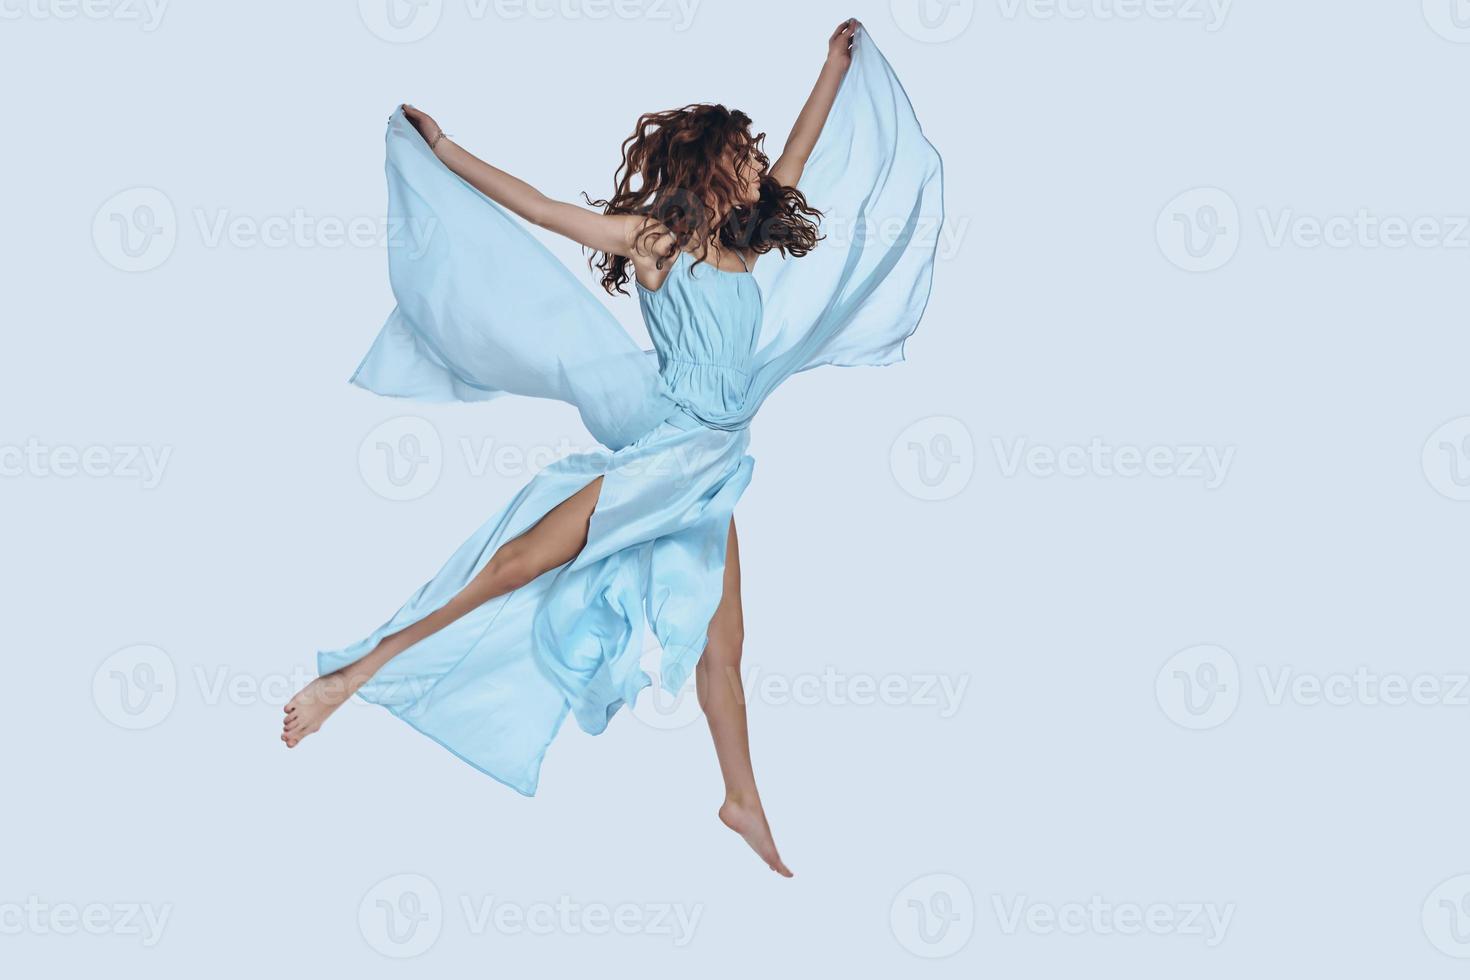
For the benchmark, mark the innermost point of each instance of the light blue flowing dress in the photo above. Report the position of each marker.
(483, 309)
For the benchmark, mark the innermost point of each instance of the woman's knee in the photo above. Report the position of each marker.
(726, 642)
(511, 567)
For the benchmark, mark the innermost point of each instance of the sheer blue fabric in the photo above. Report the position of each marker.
(483, 309)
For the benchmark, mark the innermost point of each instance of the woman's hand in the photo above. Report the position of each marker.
(839, 45)
(424, 123)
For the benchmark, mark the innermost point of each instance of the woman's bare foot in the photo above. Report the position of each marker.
(313, 704)
(749, 821)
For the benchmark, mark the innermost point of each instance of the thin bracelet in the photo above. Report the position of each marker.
(434, 143)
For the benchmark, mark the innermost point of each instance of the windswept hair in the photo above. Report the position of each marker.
(691, 166)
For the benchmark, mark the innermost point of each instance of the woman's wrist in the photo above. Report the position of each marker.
(837, 64)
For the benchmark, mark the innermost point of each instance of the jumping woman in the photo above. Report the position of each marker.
(541, 613)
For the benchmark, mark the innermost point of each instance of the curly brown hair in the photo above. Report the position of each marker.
(693, 167)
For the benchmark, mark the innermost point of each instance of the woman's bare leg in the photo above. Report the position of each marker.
(722, 695)
(554, 540)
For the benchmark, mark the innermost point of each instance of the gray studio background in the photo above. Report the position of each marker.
(1121, 631)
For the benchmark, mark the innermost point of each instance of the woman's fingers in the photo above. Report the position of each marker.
(421, 121)
(842, 37)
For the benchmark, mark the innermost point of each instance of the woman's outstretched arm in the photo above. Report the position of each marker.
(611, 233)
(813, 117)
